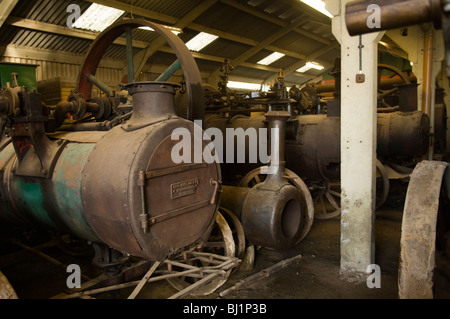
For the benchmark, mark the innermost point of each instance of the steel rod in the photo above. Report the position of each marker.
(174, 67)
(129, 49)
(144, 280)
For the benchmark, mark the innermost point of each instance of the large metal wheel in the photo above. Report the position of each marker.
(220, 242)
(392, 71)
(236, 229)
(425, 229)
(307, 206)
(382, 185)
(327, 198)
(192, 78)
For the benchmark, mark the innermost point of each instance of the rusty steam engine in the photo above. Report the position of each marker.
(101, 170)
(107, 175)
(110, 180)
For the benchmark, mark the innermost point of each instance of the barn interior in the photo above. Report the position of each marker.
(224, 149)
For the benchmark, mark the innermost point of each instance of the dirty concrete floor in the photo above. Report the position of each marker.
(315, 274)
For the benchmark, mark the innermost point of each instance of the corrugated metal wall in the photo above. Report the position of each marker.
(48, 70)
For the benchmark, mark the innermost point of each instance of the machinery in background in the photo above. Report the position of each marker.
(312, 148)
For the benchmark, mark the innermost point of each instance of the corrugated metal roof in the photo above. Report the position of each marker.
(303, 45)
(177, 9)
(242, 72)
(231, 20)
(49, 11)
(226, 49)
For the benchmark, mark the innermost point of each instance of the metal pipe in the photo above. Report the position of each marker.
(169, 71)
(277, 125)
(151, 100)
(100, 84)
(130, 65)
(428, 57)
(407, 97)
(83, 127)
(427, 73)
(61, 111)
(385, 84)
(95, 126)
(392, 14)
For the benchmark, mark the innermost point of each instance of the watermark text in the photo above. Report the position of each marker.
(74, 279)
(374, 19)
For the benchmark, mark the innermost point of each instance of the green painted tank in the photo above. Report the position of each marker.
(51, 203)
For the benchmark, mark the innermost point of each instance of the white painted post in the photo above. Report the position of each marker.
(358, 142)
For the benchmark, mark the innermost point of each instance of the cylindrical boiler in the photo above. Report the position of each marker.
(313, 146)
(118, 187)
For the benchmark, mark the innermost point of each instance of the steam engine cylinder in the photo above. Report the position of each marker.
(313, 141)
(118, 187)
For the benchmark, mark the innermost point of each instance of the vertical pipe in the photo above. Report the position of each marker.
(427, 73)
(427, 88)
(277, 125)
(130, 65)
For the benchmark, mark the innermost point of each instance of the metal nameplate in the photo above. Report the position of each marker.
(184, 188)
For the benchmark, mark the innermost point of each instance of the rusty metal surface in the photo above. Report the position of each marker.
(93, 188)
(190, 69)
(36, 153)
(152, 101)
(79, 137)
(440, 122)
(427, 78)
(314, 150)
(54, 203)
(385, 84)
(112, 196)
(418, 237)
(315, 153)
(402, 134)
(232, 170)
(271, 216)
(234, 197)
(274, 213)
(407, 97)
(393, 14)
